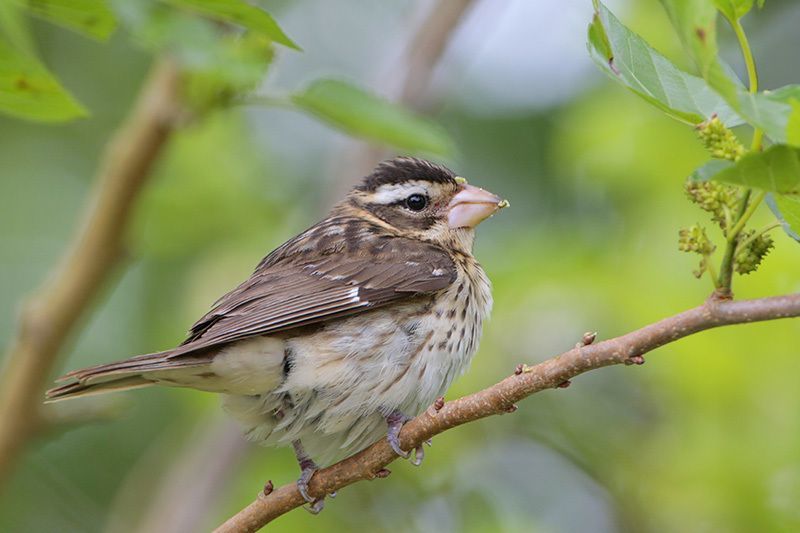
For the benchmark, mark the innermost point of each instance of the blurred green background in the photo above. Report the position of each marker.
(704, 437)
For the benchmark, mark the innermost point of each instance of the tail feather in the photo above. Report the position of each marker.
(77, 389)
(139, 361)
(123, 375)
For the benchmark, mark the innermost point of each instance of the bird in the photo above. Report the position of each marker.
(344, 332)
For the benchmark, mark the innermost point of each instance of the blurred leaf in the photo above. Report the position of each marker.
(627, 58)
(14, 26)
(29, 91)
(793, 124)
(220, 63)
(238, 65)
(790, 94)
(787, 211)
(768, 111)
(599, 39)
(157, 27)
(241, 13)
(92, 18)
(696, 24)
(785, 93)
(365, 115)
(735, 9)
(710, 170)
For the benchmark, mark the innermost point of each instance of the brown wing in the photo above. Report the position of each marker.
(302, 289)
(310, 279)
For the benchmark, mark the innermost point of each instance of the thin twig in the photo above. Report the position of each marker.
(497, 399)
(51, 313)
(427, 47)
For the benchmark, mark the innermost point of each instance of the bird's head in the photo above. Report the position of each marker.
(423, 200)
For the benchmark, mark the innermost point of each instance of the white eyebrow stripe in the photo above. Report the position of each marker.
(389, 194)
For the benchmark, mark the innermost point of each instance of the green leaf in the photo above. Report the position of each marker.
(776, 169)
(235, 66)
(241, 13)
(14, 26)
(789, 94)
(92, 18)
(736, 9)
(761, 110)
(29, 91)
(628, 59)
(787, 211)
(364, 115)
(709, 170)
(696, 24)
(599, 39)
(793, 124)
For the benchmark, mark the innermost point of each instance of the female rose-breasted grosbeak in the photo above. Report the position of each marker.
(362, 320)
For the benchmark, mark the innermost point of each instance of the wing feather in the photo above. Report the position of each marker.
(308, 280)
(304, 289)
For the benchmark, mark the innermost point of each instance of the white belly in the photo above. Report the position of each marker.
(344, 378)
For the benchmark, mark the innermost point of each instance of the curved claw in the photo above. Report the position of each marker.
(394, 442)
(395, 422)
(419, 455)
(302, 484)
(316, 506)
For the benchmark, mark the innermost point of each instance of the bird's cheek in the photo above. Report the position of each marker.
(469, 215)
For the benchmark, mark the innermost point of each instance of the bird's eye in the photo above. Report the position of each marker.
(416, 202)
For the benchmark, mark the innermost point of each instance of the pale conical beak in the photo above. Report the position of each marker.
(471, 206)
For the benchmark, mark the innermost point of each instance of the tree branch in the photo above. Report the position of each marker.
(427, 47)
(500, 398)
(50, 315)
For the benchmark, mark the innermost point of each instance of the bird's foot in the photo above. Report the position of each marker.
(395, 421)
(308, 468)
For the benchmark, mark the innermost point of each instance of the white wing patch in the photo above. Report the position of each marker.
(353, 295)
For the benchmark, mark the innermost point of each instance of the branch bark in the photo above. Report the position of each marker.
(50, 316)
(501, 397)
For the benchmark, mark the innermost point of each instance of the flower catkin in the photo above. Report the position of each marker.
(749, 257)
(714, 198)
(694, 239)
(719, 140)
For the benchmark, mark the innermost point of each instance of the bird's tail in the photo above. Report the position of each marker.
(133, 373)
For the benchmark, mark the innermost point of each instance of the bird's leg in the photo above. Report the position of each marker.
(308, 467)
(395, 421)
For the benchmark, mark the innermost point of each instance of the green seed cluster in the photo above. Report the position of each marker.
(749, 258)
(694, 239)
(713, 197)
(719, 140)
